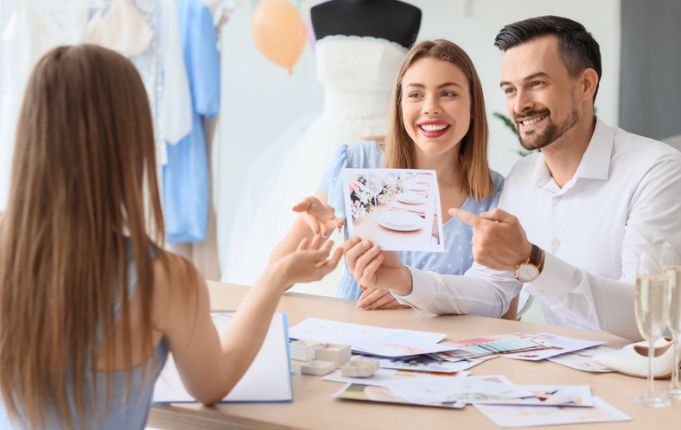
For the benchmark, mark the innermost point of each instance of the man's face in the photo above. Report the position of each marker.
(541, 96)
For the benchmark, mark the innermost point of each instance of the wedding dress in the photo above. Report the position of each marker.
(357, 74)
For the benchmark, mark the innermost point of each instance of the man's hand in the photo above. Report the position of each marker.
(375, 269)
(499, 241)
(319, 217)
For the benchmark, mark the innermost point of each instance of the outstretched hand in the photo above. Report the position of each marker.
(311, 261)
(499, 241)
(320, 217)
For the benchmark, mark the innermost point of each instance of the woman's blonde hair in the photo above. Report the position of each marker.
(84, 159)
(398, 146)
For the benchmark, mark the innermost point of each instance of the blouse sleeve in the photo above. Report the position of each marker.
(332, 183)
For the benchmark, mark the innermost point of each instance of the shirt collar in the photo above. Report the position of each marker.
(595, 162)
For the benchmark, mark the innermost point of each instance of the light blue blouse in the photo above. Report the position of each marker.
(457, 257)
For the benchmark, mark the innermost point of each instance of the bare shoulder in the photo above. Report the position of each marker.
(178, 289)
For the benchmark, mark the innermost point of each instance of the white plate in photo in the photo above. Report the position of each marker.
(411, 198)
(400, 220)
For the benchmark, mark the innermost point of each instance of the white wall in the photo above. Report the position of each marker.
(260, 100)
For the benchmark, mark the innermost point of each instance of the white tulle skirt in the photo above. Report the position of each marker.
(291, 169)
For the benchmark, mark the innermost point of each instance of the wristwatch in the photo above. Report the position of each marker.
(529, 270)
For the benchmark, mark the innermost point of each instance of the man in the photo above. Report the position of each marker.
(572, 218)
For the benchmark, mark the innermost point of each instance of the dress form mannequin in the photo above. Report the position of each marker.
(361, 46)
(392, 20)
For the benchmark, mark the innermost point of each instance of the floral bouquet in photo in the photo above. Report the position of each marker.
(370, 190)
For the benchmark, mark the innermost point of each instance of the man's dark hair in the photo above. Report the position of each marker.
(578, 49)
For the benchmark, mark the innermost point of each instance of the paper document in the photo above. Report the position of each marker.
(268, 379)
(471, 389)
(557, 345)
(383, 377)
(526, 416)
(329, 331)
(372, 393)
(584, 359)
(397, 209)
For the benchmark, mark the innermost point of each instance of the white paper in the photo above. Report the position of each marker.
(329, 331)
(526, 416)
(397, 209)
(383, 377)
(584, 360)
(402, 344)
(373, 393)
(559, 345)
(268, 379)
(473, 389)
(553, 395)
(426, 364)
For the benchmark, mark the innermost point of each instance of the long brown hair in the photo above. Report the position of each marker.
(398, 146)
(84, 156)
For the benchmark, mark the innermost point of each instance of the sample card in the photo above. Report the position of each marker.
(425, 363)
(525, 416)
(372, 393)
(472, 389)
(396, 209)
(383, 377)
(584, 360)
(556, 345)
(330, 331)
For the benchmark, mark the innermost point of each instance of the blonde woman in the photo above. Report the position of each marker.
(437, 122)
(90, 303)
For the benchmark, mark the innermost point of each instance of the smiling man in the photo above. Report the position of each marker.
(574, 216)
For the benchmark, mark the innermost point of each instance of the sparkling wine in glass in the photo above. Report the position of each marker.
(651, 305)
(671, 265)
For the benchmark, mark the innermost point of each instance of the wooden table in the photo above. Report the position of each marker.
(313, 407)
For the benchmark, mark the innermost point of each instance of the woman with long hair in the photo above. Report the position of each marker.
(437, 122)
(90, 303)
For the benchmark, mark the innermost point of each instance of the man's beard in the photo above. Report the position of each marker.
(551, 133)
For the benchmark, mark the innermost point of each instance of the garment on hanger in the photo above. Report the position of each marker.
(357, 74)
(176, 104)
(122, 28)
(33, 29)
(185, 176)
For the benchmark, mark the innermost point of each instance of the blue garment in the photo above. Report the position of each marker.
(457, 257)
(185, 177)
(129, 414)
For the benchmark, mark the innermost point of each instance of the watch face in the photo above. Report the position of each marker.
(526, 272)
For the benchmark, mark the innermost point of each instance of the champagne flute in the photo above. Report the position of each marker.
(671, 264)
(651, 307)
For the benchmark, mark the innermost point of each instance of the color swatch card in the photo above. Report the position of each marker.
(483, 346)
(396, 209)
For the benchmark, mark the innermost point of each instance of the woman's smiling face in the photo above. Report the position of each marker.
(436, 106)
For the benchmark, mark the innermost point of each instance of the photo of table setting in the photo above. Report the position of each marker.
(397, 209)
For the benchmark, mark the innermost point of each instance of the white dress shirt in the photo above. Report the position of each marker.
(624, 198)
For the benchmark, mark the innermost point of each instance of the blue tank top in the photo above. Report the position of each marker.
(123, 413)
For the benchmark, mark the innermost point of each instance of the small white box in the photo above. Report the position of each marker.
(303, 350)
(360, 368)
(317, 367)
(338, 354)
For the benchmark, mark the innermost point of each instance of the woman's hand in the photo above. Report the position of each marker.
(311, 261)
(320, 217)
(372, 299)
(375, 269)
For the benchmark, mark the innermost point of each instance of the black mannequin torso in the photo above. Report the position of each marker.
(392, 20)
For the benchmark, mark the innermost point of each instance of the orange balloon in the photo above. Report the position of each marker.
(279, 32)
